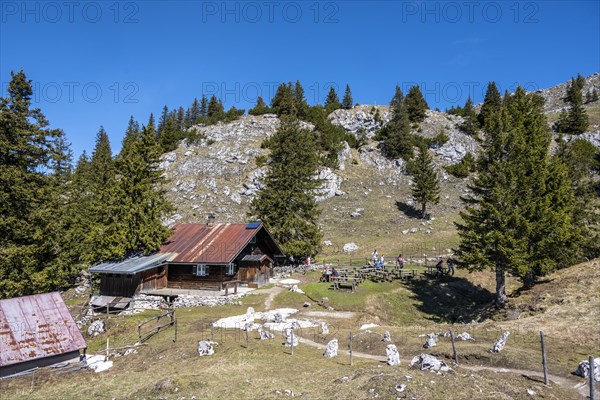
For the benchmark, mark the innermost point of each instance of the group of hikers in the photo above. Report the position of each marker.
(379, 263)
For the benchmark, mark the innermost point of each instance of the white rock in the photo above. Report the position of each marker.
(393, 357)
(350, 247)
(429, 362)
(332, 349)
(500, 343)
(96, 328)
(205, 348)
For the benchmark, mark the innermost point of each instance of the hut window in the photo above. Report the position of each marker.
(201, 270)
(230, 269)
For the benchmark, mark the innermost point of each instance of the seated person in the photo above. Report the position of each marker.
(439, 267)
(334, 273)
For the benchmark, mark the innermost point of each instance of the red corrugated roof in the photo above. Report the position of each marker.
(37, 326)
(200, 243)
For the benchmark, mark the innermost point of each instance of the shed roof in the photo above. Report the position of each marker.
(133, 265)
(35, 327)
(216, 244)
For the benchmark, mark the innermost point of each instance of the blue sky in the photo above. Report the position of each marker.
(96, 63)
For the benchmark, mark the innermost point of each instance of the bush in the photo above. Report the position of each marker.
(261, 160)
(463, 168)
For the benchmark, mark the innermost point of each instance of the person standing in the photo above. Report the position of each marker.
(400, 261)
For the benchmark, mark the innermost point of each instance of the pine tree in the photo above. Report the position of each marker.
(347, 102)
(518, 218)
(286, 204)
(332, 102)
(284, 101)
(30, 154)
(491, 103)
(396, 134)
(470, 124)
(260, 108)
(415, 105)
(575, 121)
(426, 185)
(203, 109)
(163, 119)
(398, 98)
(195, 111)
(139, 202)
(213, 107)
(300, 101)
(133, 129)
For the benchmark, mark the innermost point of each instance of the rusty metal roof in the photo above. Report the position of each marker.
(38, 326)
(215, 244)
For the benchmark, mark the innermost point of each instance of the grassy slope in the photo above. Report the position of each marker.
(164, 369)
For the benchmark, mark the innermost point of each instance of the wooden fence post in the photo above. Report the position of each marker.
(212, 331)
(453, 347)
(592, 390)
(350, 345)
(544, 362)
(292, 341)
(139, 331)
(175, 340)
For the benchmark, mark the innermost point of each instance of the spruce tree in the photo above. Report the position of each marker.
(203, 109)
(300, 101)
(426, 185)
(518, 218)
(347, 102)
(139, 202)
(396, 136)
(28, 193)
(195, 111)
(260, 108)
(575, 121)
(416, 106)
(470, 124)
(284, 100)
(491, 103)
(286, 204)
(332, 102)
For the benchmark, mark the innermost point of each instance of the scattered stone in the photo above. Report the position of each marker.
(328, 243)
(531, 392)
(583, 369)
(355, 214)
(331, 349)
(306, 304)
(387, 337)
(393, 357)
(265, 335)
(96, 328)
(499, 345)
(465, 336)
(431, 341)
(429, 362)
(291, 338)
(295, 289)
(130, 351)
(324, 328)
(350, 247)
(277, 317)
(400, 387)
(205, 348)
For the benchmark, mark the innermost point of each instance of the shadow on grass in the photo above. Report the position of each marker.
(408, 210)
(452, 299)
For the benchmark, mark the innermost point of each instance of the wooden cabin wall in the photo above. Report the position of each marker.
(181, 276)
(118, 284)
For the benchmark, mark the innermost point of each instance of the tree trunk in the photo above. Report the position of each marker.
(528, 280)
(423, 210)
(500, 287)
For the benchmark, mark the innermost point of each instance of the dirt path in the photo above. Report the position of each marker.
(274, 291)
(582, 389)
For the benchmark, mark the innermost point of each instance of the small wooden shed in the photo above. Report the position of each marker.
(37, 331)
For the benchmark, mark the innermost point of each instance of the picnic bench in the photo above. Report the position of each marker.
(339, 282)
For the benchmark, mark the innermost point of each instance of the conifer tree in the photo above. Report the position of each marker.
(518, 218)
(260, 108)
(300, 101)
(332, 102)
(396, 134)
(163, 119)
(491, 103)
(415, 105)
(470, 124)
(397, 99)
(347, 102)
(426, 185)
(203, 109)
(575, 121)
(284, 101)
(139, 202)
(28, 154)
(287, 204)
(133, 129)
(195, 111)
